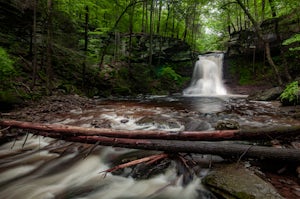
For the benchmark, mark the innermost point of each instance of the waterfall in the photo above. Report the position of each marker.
(207, 76)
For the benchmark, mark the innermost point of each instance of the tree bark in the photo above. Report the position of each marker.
(159, 17)
(34, 44)
(216, 135)
(261, 37)
(231, 150)
(49, 48)
(151, 34)
(107, 41)
(279, 40)
(263, 6)
(85, 49)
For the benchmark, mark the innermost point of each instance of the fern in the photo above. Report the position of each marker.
(295, 38)
(290, 93)
(169, 73)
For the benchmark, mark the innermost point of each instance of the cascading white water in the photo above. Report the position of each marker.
(207, 76)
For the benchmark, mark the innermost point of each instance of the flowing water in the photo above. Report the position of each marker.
(35, 167)
(207, 76)
(42, 167)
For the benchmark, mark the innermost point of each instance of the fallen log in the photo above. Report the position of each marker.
(212, 135)
(226, 150)
(95, 136)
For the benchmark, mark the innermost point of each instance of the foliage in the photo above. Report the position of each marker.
(294, 39)
(245, 77)
(168, 73)
(74, 37)
(6, 67)
(290, 94)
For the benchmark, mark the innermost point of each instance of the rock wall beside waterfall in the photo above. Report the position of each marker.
(127, 70)
(136, 47)
(245, 42)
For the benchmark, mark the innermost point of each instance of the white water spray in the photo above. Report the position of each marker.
(207, 76)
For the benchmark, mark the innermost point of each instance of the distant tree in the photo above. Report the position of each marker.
(151, 32)
(49, 46)
(261, 37)
(34, 44)
(279, 40)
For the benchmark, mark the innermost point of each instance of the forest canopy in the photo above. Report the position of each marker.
(120, 47)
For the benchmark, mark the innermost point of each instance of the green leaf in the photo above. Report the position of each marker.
(293, 39)
(290, 93)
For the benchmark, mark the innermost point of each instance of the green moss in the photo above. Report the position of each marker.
(6, 68)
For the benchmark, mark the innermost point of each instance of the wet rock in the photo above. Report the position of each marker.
(227, 125)
(235, 181)
(102, 123)
(267, 95)
(124, 121)
(160, 122)
(197, 125)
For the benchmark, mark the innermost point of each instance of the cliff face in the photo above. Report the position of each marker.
(172, 65)
(245, 42)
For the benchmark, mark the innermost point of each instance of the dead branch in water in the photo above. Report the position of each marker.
(148, 160)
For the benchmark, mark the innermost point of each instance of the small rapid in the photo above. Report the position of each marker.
(40, 167)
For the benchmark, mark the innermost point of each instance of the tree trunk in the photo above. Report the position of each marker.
(216, 135)
(167, 19)
(86, 40)
(173, 19)
(279, 40)
(266, 43)
(231, 150)
(34, 45)
(49, 49)
(151, 34)
(255, 10)
(263, 6)
(143, 16)
(107, 41)
(131, 16)
(159, 17)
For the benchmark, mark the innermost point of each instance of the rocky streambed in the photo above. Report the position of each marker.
(38, 164)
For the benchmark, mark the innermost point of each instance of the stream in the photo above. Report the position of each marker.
(39, 167)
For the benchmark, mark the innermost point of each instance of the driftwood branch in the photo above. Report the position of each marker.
(216, 135)
(166, 141)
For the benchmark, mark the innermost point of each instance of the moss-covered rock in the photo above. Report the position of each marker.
(236, 181)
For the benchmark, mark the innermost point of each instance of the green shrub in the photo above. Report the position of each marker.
(292, 40)
(290, 94)
(6, 68)
(168, 73)
(245, 77)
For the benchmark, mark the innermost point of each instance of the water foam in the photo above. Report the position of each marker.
(207, 76)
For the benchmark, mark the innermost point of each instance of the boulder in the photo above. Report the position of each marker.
(197, 125)
(227, 125)
(160, 122)
(236, 181)
(267, 95)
